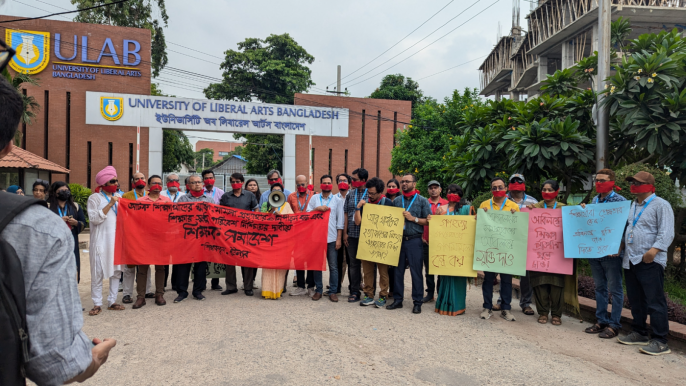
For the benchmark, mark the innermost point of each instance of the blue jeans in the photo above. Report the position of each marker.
(332, 259)
(607, 272)
(410, 250)
(505, 290)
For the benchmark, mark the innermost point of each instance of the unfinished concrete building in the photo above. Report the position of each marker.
(560, 33)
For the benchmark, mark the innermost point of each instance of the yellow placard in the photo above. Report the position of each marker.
(451, 245)
(381, 234)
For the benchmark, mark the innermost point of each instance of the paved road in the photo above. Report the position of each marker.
(240, 340)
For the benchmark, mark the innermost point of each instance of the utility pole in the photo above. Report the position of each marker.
(338, 91)
(604, 21)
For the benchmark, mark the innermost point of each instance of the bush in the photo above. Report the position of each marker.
(481, 197)
(80, 194)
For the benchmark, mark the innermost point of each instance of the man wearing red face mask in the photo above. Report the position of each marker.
(138, 191)
(435, 201)
(343, 184)
(351, 232)
(155, 183)
(242, 199)
(216, 194)
(273, 177)
(607, 271)
(298, 202)
(102, 216)
(173, 191)
(649, 232)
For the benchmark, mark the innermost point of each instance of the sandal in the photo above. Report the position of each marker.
(95, 311)
(595, 329)
(556, 321)
(116, 307)
(543, 319)
(608, 333)
(528, 311)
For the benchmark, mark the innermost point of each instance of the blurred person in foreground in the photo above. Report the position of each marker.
(60, 352)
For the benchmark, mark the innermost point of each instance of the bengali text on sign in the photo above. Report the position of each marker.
(595, 231)
(501, 242)
(545, 248)
(451, 245)
(381, 234)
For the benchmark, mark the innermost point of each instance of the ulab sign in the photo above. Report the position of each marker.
(212, 115)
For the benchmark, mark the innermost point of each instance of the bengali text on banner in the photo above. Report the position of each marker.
(168, 233)
(451, 245)
(381, 234)
(501, 242)
(545, 248)
(595, 231)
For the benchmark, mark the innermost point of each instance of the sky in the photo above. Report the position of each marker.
(350, 33)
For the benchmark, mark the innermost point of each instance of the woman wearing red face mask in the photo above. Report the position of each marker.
(549, 288)
(392, 189)
(452, 290)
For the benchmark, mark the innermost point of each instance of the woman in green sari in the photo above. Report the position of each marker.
(452, 290)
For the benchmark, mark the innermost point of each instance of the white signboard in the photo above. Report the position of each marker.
(214, 115)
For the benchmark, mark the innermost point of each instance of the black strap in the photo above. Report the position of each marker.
(11, 205)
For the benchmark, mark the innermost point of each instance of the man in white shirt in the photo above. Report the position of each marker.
(173, 191)
(322, 202)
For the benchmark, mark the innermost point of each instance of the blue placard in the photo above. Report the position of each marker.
(595, 231)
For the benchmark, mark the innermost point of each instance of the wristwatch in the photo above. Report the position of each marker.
(416, 219)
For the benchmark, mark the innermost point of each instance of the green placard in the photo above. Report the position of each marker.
(500, 244)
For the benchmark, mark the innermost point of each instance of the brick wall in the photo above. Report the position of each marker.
(57, 88)
(217, 147)
(376, 131)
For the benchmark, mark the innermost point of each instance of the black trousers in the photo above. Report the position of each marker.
(430, 282)
(342, 256)
(645, 290)
(214, 281)
(354, 267)
(183, 272)
(301, 281)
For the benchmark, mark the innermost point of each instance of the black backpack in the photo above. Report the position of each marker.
(14, 335)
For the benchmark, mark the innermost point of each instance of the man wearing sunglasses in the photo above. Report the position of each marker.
(415, 210)
(648, 235)
(138, 191)
(273, 177)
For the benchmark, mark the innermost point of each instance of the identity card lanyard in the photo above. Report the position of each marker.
(363, 194)
(134, 192)
(175, 197)
(321, 202)
(501, 206)
(66, 210)
(631, 234)
(595, 201)
(115, 205)
(302, 207)
(546, 205)
(411, 202)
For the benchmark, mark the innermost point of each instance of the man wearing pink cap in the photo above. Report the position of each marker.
(102, 214)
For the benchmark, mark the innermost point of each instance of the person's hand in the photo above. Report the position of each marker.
(582, 205)
(407, 215)
(71, 221)
(428, 218)
(114, 200)
(65, 218)
(513, 210)
(649, 256)
(102, 348)
(530, 206)
(322, 208)
(345, 239)
(338, 244)
(485, 209)
(361, 203)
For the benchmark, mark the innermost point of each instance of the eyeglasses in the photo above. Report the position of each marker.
(172, 181)
(195, 182)
(156, 183)
(115, 181)
(497, 188)
(38, 180)
(6, 54)
(274, 179)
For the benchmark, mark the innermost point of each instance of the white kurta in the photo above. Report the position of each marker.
(103, 228)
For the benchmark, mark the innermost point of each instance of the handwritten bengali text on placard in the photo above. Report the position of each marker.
(381, 234)
(545, 251)
(451, 245)
(595, 231)
(501, 242)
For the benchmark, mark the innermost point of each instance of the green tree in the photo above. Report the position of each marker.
(271, 70)
(133, 13)
(203, 159)
(397, 87)
(176, 150)
(31, 106)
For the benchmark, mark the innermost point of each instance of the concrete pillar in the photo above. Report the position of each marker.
(542, 68)
(155, 151)
(289, 161)
(497, 95)
(514, 95)
(567, 54)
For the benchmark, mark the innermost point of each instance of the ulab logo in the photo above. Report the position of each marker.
(33, 50)
(111, 108)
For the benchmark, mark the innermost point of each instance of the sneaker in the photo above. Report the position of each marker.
(634, 339)
(199, 297)
(367, 301)
(299, 292)
(179, 299)
(381, 303)
(507, 315)
(310, 292)
(486, 313)
(655, 348)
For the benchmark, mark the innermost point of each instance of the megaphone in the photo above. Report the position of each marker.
(276, 199)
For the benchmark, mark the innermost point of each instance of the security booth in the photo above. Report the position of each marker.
(23, 168)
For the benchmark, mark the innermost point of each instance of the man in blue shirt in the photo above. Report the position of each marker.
(607, 271)
(273, 177)
(416, 209)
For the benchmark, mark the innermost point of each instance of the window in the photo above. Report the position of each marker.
(88, 156)
(68, 134)
(109, 153)
(223, 153)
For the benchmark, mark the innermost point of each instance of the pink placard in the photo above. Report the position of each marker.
(545, 251)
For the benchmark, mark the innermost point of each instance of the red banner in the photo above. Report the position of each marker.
(166, 233)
